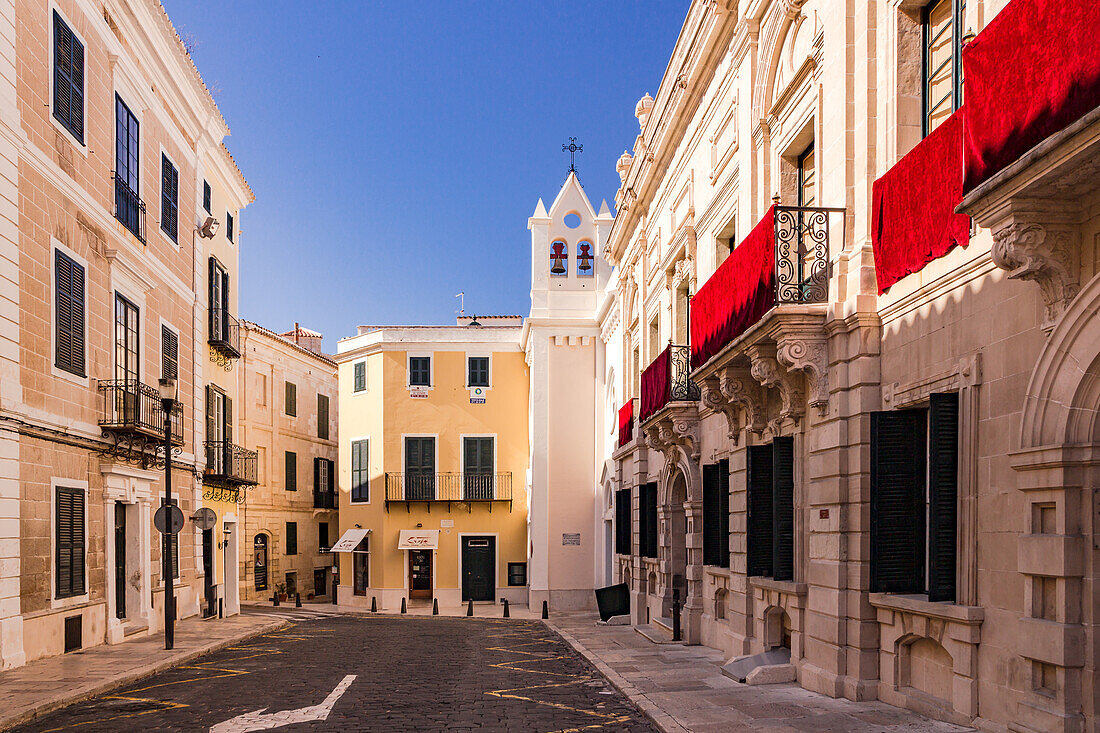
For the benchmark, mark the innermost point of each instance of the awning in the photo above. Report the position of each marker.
(418, 539)
(350, 540)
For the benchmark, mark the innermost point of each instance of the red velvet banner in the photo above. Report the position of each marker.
(737, 295)
(1034, 70)
(913, 219)
(626, 423)
(655, 383)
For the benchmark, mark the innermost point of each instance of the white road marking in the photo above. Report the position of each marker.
(259, 720)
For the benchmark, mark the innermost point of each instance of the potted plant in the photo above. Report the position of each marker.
(280, 589)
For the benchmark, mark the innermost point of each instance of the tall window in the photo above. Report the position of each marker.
(477, 467)
(914, 494)
(68, 78)
(290, 475)
(129, 208)
(291, 538)
(322, 417)
(229, 226)
(942, 62)
(126, 340)
(623, 526)
(290, 401)
(716, 514)
(69, 304)
(807, 177)
(218, 290)
(69, 542)
(169, 353)
(206, 196)
(169, 198)
(219, 432)
(420, 371)
(359, 370)
(419, 468)
(478, 371)
(324, 483)
(360, 470)
(654, 338)
(647, 520)
(770, 530)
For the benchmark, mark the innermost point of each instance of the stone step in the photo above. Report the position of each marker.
(656, 634)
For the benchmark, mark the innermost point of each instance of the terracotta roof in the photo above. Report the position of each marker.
(249, 325)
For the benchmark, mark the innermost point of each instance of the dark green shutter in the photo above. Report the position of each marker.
(291, 399)
(759, 529)
(169, 197)
(897, 501)
(291, 471)
(783, 508)
(651, 520)
(711, 526)
(943, 491)
(213, 299)
(322, 417)
(206, 196)
(69, 297)
(169, 353)
(724, 513)
(70, 542)
(228, 428)
(68, 87)
(211, 428)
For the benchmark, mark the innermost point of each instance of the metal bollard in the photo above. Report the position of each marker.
(506, 608)
(470, 608)
(676, 614)
(335, 585)
(275, 599)
(297, 600)
(435, 606)
(403, 610)
(374, 604)
(545, 610)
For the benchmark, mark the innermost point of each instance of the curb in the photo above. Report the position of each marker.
(49, 706)
(651, 710)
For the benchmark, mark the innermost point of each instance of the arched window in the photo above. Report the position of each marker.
(559, 259)
(585, 266)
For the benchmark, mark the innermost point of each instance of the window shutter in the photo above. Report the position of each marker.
(651, 520)
(62, 65)
(291, 400)
(317, 474)
(212, 304)
(291, 471)
(943, 490)
(330, 476)
(897, 501)
(228, 428)
(292, 538)
(211, 428)
(169, 353)
(322, 417)
(622, 521)
(759, 484)
(783, 508)
(169, 197)
(711, 527)
(724, 513)
(76, 99)
(360, 370)
(206, 196)
(69, 295)
(70, 542)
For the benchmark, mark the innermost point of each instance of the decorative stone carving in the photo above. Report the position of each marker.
(715, 400)
(767, 371)
(810, 355)
(732, 389)
(623, 166)
(684, 271)
(673, 432)
(1045, 254)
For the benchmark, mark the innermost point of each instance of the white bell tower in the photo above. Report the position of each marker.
(566, 360)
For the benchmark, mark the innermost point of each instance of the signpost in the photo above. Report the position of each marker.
(204, 518)
(169, 519)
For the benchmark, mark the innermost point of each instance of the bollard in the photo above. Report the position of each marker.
(545, 610)
(275, 599)
(403, 606)
(506, 608)
(470, 608)
(374, 604)
(335, 584)
(435, 606)
(297, 600)
(676, 614)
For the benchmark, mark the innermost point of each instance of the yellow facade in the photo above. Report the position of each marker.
(486, 515)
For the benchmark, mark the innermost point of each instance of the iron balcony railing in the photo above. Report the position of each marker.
(668, 379)
(225, 333)
(449, 487)
(802, 254)
(129, 208)
(324, 499)
(228, 464)
(130, 407)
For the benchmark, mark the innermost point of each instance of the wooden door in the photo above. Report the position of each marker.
(420, 573)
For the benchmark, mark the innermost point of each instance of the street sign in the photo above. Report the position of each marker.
(168, 520)
(204, 518)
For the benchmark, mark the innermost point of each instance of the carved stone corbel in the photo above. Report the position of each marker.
(671, 432)
(1046, 254)
(809, 355)
(714, 399)
(767, 371)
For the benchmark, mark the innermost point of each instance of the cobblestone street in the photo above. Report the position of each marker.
(409, 674)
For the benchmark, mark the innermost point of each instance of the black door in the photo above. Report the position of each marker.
(208, 572)
(478, 567)
(120, 560)
(320, 582)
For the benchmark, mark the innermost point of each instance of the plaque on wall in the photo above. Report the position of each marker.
(571, 538)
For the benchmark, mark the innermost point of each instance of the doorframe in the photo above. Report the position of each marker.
(408, 579)
(496, 559)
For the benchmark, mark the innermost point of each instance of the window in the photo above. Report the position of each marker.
(725, 242)
(359, 380)
(169, 198)
(219, 432)
(206, 196)
(360, 472)
(559, 259)
(169, 353)
(942, 23)
(361, 567)
(477, 371)
(69, 542)
(770, 531)
(914, 491)
(129, 208)
(517, 573)
(647, 520)
(654, 338)
(324, 487)
(68, 78)
(291, 474)
(419, 468)
(292, 538)
(807, 177)
(622, 522)
(716, 514)
(477, 468)
(229, 226)
(420, 371)
(218, 291)
(322, 537)
(69, 303)
(290, 404)
(322, 417)
(126, 341)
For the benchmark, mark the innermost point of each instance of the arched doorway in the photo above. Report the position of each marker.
(259, 559)
(677, 531)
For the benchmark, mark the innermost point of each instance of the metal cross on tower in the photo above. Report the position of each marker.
(572, 148)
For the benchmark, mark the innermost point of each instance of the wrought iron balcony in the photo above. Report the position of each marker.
(449, 487)
(225, 333)
(666, 380)
(229, 465)
(129, 208)
(324, 499)
(802, 254)
(130, 408)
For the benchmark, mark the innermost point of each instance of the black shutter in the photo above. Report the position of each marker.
(651, 520)
(724, 513)
(759, 530)
(292, 538)
(322, 417)
(711, 515)
(212, 304)
(70, 542)
(68, 80)
(169, 197)
(943, 491)
(291, 400)
(622, 522)
(783, 508)
(291, 471)
(206, 196)
(897, 501)
(69, 296)
(317, 487)
(330, 477)
(228, 421)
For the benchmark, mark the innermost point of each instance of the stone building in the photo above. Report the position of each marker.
(287, 401)
(851, 337)
(102, 292)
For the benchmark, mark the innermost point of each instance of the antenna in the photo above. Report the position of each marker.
(461, 303)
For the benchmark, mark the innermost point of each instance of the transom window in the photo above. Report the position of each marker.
(942, 61)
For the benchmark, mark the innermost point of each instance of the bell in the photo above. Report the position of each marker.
(558, 268)
(557, 258)
(584, 257)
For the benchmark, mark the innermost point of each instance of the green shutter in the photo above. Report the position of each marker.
(897, 501)
(322, 417)
(291, 474)
(69, 302)
(69, 542)
(943, 491)
(759, 525)
(169, 353)
(783, 508)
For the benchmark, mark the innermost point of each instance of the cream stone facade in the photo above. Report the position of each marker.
(288, 413)
(102, 292)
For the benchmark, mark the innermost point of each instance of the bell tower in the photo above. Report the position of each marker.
(566, 365)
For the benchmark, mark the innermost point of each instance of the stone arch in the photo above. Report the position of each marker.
(778, 629)
(926, 667)
(784, 17)
(721, 603)
(679, 461)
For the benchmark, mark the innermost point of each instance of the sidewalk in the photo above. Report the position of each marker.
(681, 688)
(47, 684)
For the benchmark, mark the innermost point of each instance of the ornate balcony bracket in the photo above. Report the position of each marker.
(674, 429)
(767, 370)
(730, 390)
(809, 354)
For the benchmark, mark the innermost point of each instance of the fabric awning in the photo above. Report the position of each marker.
(418, 539)
(350, 540)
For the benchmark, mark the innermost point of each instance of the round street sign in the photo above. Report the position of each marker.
(168, 520)
(204, 518)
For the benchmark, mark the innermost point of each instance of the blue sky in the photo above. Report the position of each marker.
(396, 149)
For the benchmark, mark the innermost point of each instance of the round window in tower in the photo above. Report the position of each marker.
(572, 220)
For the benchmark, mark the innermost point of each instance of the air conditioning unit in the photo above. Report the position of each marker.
(209, 227)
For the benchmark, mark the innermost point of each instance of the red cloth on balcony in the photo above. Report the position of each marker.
(655, 381)
(1034, 70)
(913, 219)
(737, 295)
(626, 423)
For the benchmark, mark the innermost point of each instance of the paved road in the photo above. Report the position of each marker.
(410, 674)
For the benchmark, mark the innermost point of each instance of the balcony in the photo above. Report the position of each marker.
(229, 465)
(667, 380)
(449, 488)
(225, 334)
(131, 409)
(129, 208)
(626, 423)
(324, 499)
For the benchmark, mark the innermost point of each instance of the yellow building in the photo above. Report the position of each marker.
(433, 458)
